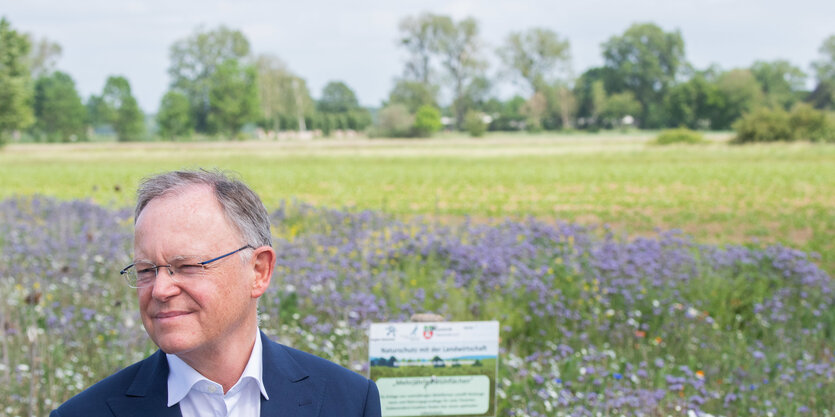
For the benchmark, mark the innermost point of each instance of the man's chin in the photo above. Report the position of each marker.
(173, 345)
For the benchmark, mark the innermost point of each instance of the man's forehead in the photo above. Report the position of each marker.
(184, 195)
(190, 216)
(187, 206)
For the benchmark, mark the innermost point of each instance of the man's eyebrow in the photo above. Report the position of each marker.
(195, 258)
(145, 261)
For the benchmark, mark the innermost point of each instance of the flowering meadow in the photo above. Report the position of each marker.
(593, 323)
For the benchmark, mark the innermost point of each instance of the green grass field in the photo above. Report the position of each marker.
(719, 193)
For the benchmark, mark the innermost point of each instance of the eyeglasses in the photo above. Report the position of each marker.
(142, 273)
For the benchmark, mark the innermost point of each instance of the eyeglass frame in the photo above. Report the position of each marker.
(125, 271)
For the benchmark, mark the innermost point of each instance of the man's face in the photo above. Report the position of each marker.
(202, 315)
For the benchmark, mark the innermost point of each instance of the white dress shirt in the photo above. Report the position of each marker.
(199, 396)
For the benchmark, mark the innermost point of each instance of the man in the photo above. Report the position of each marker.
(203, 257)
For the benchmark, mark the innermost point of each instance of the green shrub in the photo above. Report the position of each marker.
(810, 124)
(427, 121)
(769, 125)
(474, 123)
(394, 121)
(764, 125)
(680, 135)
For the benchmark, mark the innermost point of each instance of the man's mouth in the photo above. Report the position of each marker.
(170, 314)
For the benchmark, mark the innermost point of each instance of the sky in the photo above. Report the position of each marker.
(356, 41)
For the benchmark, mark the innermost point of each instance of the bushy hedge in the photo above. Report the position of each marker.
(680, 135)
(770, 125)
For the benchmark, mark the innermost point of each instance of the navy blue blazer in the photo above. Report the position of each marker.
(298, 384)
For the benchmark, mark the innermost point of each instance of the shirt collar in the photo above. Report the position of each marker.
(182, 377)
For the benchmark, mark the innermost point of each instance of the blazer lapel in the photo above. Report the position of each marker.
(292, 391)
(148, 395)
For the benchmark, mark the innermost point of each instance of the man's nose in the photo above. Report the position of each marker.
(164, 285)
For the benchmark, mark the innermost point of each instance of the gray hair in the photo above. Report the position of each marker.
(242, 207)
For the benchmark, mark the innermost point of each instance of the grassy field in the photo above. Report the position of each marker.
(781, 193)
(634, 323)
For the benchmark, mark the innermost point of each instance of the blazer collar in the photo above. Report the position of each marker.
(292, 390)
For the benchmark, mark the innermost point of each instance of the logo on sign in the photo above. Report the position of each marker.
(428, 331)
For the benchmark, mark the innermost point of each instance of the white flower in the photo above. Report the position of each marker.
(32, 334)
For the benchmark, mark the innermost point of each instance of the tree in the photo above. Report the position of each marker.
(337, 98)
(538, 57)
(59, 112)
(233, 98)
(823, 96)
(740, 93)
(534, 110)
(782, 83)
(455, 46)
(475, 94)
(15, 94)
(420, 38)
(618, 106)
(130, 121)
(506, 116)
(194, 61)
(564, 105)
(644, 60)
(125, 115)
(43, 56)
(560, 106)
(273, 86)
(98, 113)
(174, 116)
(597, 100)
(284, 98)
(413, 95)
(459, 48)
(825, 65)
(340, 108)
(590, 91)
(696, 104)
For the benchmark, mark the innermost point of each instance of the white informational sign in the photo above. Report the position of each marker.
(435, 368)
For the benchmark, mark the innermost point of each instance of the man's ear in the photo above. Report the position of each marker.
(263, 262)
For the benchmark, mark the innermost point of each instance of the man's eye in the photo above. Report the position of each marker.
(145, 271)
(190, 269)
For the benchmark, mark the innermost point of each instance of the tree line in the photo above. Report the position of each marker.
(218, 85)
(645, 80)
